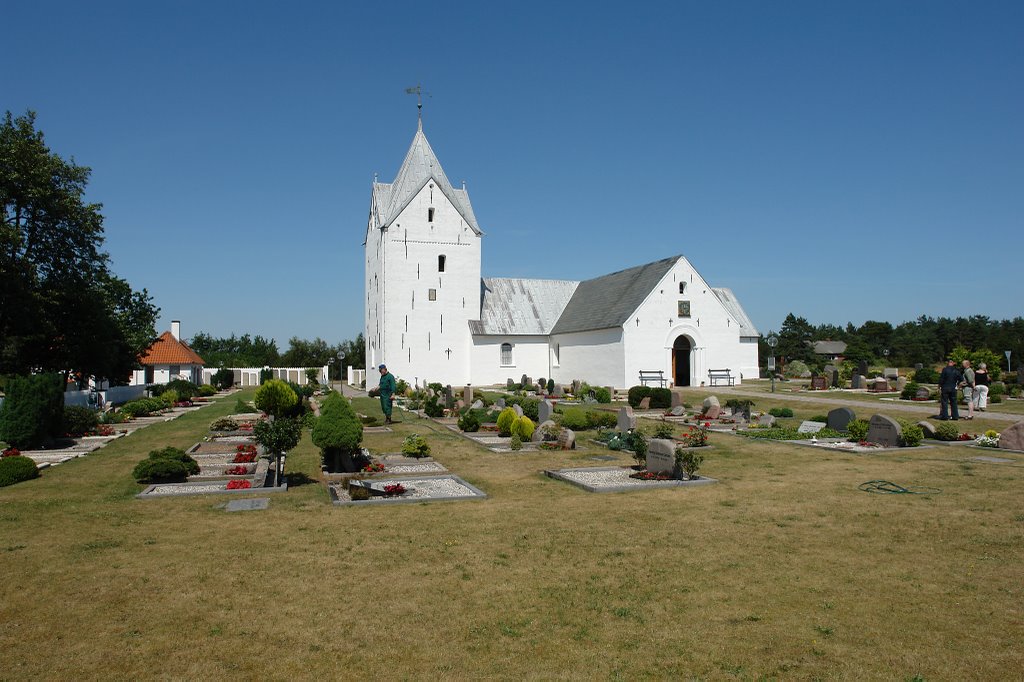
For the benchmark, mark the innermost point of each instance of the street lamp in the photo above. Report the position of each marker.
(1007, 361)
(772, 341)
(341, 367)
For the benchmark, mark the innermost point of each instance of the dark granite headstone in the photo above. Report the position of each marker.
(918, 365)
(840, 417)
(835, 378)
(884, 430)
(449, 397)
(862, 367)
(510, 383)
(923, 393)
(927, 427)
(1012, 437)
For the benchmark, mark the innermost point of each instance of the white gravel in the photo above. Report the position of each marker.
(415, 489)
(425, 467)
(178, 489)
(605, 478)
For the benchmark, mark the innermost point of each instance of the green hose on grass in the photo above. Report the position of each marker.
(890, 488)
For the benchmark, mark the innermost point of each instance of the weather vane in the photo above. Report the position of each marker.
(418, 91)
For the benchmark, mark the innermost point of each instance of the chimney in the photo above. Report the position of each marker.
(176, 329)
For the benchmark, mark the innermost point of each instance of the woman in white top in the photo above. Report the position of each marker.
(981, 382)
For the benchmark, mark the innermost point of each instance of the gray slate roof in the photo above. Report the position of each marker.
(608, 301)
(419, 167)
(733, 307)
(521, 306)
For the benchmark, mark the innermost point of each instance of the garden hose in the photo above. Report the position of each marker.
(890, 488)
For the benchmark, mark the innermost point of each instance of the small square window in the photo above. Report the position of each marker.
(432, 294)
(684, 308)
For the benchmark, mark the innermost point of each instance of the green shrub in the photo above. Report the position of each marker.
(664, 430)
(280, 435)
(516, 443)
(206, 390)
(142, 407)
(32, 411)
(337, 431)
(688, 460)
(469, 422)
(167, 398)
(16, 469)
(161, 470)
(946, 431)
(178, 455)
(523, 427)
(599, 419)
(113, 417)
(997, 388)
(79, 420)
(575, 418)
(602, 394)
(505, 421)
(739, 404)
(275, 397)
(926, 375)
(857, 429)
(415, 446)
(638, 393)
(909, 391)
(551, 386)
(186, 390)
(661, 398)
(308, 420)
(438, 388)
(797, 368)
(529, 406)
(224, 424)
(433, 408)
(819, 418)
(401, 386)
(780, 412)
(637, 442)
(223, 378)
(911, 435)
(242, 407)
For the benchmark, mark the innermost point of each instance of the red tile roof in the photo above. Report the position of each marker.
(168, 350)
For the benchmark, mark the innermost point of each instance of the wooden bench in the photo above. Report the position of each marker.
(716, 375)
(652, 375)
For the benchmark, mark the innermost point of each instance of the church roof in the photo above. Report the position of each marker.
(521, 306)
(608, 301)
(419, 167)
(733, 307)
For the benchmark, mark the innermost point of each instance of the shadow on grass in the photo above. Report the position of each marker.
(297, 478)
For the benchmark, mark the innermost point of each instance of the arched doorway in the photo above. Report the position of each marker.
(681, 350)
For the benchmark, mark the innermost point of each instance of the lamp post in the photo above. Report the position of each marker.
(341, 369)
(772, 341)
(1007, 361)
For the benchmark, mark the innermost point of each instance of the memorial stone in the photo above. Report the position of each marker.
(510, 383)
(499, 403)
(518, 410)
(449, 398)
(862, 367)
(891, 373)
(567, 439)
(544, 410)
(1012, 437)
(884, 430)
(467, 395)
(576, 386)
(927, 427)
(645, 403)
(879, 385)
(477, 405)
(918, 365)
(661, 456)
(766, 419)
(559, 391)
(524, 381)
(677, 398)
(626, 419)
(541, 431)
(839, 418)
(922, 393)
(810, 427)
(711, 407)
(678, 411)
(835, 378)
(901, 383)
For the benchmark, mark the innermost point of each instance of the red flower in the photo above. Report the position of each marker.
(238, 485)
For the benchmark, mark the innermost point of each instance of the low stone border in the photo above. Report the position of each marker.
(615, 479)
(431, 490)
(165, 490)
(1008, 451)
(502, 448)
(832, 443)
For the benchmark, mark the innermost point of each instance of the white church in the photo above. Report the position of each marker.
(430, 316)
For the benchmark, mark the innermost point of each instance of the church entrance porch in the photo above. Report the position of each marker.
(682, 349)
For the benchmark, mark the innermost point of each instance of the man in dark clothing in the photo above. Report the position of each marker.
(948, 383)
(387, 391)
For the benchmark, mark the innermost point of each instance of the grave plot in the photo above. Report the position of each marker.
(492, 441)
(223, 467)
(404, 490)
(618, 479)
(393, 464)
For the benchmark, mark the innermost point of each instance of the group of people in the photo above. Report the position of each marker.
(973, 383)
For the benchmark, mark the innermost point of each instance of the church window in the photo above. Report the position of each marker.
(682, 287)
(506, 354)
(432, 294)
(684, 308)
(556, 350)
(440, 263)
(430, 215)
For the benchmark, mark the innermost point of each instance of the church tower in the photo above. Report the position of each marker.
(422, 251)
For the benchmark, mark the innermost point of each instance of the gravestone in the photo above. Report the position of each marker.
(862, 367)
(891, 373)
(518, 409)
(467, 395)
(922, 393)
(1020, 374)
(645, 403)
(918, 365)
(901, 383)
(449, 397)
(544, 410)
(927, 427)
(711, 408)
(626, 419)
(810, 427)
(884, 430)
(524, 381)
(766, 420)
(1012, 437)
(839, 418)
(559, 391)
(829, 369)
(678, 411)
(477, 405)
(856, 381)
(835, 378)
(500, 403)
(544, 428)
(677, 398)
(661, 456)
(879, 385)
(459, 405)
(567, 439)
(529, 382)
(576, 386)
(819, 383)
(510, 383)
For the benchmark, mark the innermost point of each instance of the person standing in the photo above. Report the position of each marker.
(387, 392)
(981, 384)
(949, 382)
(967, 383)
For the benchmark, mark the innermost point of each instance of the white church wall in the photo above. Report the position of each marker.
(596, 357)
(529, 357)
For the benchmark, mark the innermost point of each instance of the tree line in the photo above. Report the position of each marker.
(926, 340)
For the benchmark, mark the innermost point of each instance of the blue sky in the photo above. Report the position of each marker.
(843, 161)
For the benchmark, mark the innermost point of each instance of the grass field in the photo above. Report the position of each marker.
(783, 570)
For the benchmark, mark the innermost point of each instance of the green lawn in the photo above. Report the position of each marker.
(783, 569)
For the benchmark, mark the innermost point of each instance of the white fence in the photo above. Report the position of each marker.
(114, 394)
(250, 376)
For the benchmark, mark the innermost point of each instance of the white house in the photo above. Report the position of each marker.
(167, 359)
(431, 317)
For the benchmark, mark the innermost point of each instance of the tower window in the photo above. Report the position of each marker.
(682, 287)
(430, 215)
(440, 263)
(506, 354)
(432, 294)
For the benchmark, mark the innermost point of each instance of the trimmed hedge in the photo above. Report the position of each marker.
(33, 410)
(638, 393)
(16, 469)
(79, 419)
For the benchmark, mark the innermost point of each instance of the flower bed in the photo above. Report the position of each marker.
(238, 485)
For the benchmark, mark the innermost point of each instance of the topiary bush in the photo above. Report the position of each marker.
(529, 406)
(797, 368)
(224, 424)
(223, 378)
(574, 418)
(661, 398)
(551, 386)
(516, 443)
(505, 421)
(206, 391)
(16, 469)
(79, 420)
(186, 390)
(433, 408)
(780, 412)
(469, 422)
(337, 431)
(599, 419)
(947, 431)
(857, 429)
(32, 411)
(160, 471)
(636, 441)
(638, 393)
(275, 397)
(911, 435)
(819, 418)
(523, 427)
(926, 375)
(178, 455)
(664, 430)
